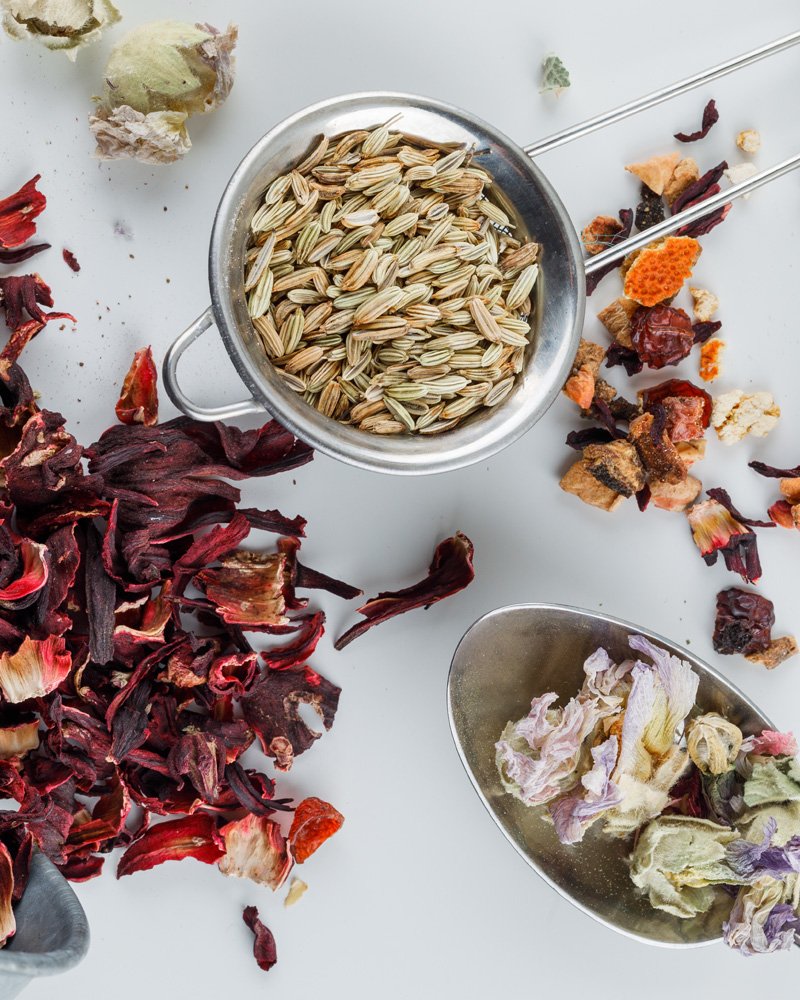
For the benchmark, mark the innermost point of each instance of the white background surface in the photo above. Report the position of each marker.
(419, 894)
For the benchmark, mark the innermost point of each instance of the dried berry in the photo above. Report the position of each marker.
(710, 118)
(650, 210)
(743, 623)
(661, 335)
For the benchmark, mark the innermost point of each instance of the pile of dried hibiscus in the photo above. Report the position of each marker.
(648, 448)
(129, 688)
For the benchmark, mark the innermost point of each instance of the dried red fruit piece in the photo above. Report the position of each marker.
(710, 118)
(271, 709)
(743, 622)
(18, 213)
(661, 335)
(594, 279)
(264, 949)
(451, 570)
(70, 260)
(681, 389)
(189, 837)
(714, 530)
(782, 513)
(138, 401)
(314, 822)
(599, 233)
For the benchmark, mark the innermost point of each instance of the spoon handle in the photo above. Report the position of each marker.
(659, 96)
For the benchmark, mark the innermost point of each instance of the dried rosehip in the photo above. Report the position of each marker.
(661, 335)
(744, 622)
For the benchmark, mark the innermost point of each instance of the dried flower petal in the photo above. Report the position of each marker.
(264, 949)
(772, 743)
(65, 25)
(313, 823)
(297, 889)
(722, 497)
(713, 743)
(710, 118)
(255, 849)
(35, 669)
(70, 260)
(157, 137)
(18, 213)
(8, 924)
(138, 401)
(715, 531)
(450, 571)
(17, 739)
(189, 837)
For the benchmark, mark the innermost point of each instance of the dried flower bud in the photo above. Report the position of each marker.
(713, 743)
(59, 24)
(156, 77)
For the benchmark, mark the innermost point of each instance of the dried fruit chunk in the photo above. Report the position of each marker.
(18, 213)
(616, 465)
(138, 401)
(743, 622)
(256, 849)
(661, 335)
(687, 408)
(189, 837)
(650, 210)
(715, 530)
(737, 414)
(314, 822)
(616, 318)
(691, 452)
(656, 171)
(685, 173)
(450, 571)
(710, 118)
(580, 386)
(749, 140)
(297, 889)
(710, 354)
(776, 652)
(704, 304)
(675, 496)
(594, 279)
(579, 481)
(659, 271)
(599, 233)
(264, 949)
(659, 455)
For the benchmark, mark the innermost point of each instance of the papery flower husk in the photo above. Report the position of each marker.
(713, 743)
(159, 137)
(65, 25)
(748, 930)
(256, 849)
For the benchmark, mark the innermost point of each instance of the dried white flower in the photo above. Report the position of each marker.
(58, 24)
(157, 137)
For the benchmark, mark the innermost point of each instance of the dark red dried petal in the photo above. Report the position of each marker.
(705, 331)
(23, 253)
(643, 498)
(233, 673)
(314, 822)
(8, 924)
(743, 623)
(264, 949)
(772, 472)
(661, 335)
(714, 530)
(686, 796)
(138, 400)
(18, 213)
(70, 260)
(781, 514)
(300, 648)
(80, 869)
(190, 837)
(101, 594)
(617, 354)
(202, 760)
(588, 435)
(704, 187)
(254, 791)
(219, 542)
(722, 496)
(272, 709)
(710, 117)
(594, 279)
(450, 571)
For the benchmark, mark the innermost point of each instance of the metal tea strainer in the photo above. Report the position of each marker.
(535, 210)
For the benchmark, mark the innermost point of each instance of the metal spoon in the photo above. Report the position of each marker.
(506, 658)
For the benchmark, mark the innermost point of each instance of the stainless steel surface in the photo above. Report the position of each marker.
(697, 211)
(52, 931)
(505, 659)
(179, 397)
(536, 211)
(659, 96)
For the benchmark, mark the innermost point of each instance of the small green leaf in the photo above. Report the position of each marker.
(555, 75)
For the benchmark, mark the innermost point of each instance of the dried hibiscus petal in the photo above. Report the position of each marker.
(25, 293)
(300, 648)
(189, 837)
(743, 622)
(272, 709)
(26, 562)
(618, 354)
(18, 213)
(710, 118)
(19, 737)
(8, 924)
(704, 331)
(264, 950)
(714, 530)
(722, 496)
(70, 260)
(35, 669)
(138, 400)
(661, 335)
(22, 253)
(247, 589)
(451, 570)
(772, 472)
(256, 849)
(313, 823)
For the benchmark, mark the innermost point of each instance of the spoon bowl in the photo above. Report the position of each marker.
(516, 653)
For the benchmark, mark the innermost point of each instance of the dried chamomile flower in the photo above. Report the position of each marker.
(740, 172)
(749, 141)
(555, 75)
(66, 25)
(713, 743)
(156, 77)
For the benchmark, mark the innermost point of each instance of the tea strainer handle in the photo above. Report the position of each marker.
(179, 397)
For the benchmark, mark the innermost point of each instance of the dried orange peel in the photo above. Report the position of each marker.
(659, 271)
